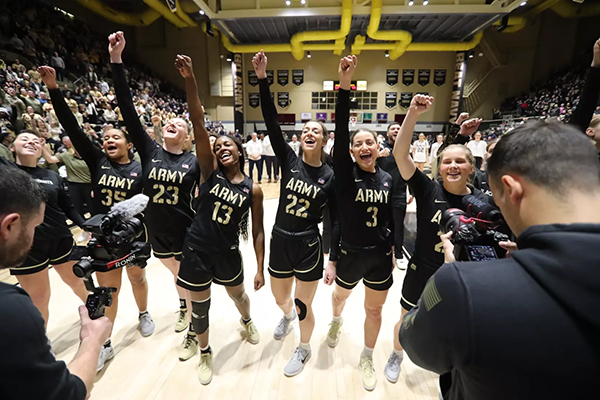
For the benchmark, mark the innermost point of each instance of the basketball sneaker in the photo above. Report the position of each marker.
(333, 336)
(296, 364)
(283, 327)
(188, 348)
(106, 353)
(204, 369)
(183, 320)
(369, 380)
(252, 334)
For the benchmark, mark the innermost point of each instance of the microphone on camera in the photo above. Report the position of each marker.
(481, 209)
(130, 208)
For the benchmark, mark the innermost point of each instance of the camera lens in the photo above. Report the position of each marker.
(82, 268)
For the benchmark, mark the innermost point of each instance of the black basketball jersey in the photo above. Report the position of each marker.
(222, 206)
(364, 198)
(388, 164)
(432, 201)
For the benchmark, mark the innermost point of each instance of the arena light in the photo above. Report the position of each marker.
(201, 12)
(387, 53)
(523, 3)
(229, 57)
(288, 2)
(308, 54)
(425, 2)
(303, 2)
(411, 2)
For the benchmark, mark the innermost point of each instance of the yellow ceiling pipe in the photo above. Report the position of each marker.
(454, 46)
(515, 24)
(183, 16)
(161, 8)
(401, 38)
(298, 40)
(142, 19)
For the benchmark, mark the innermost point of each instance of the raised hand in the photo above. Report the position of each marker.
(420, 104)
(462, 118)
(48, 76)
(184, 65)
(346, 71)
(596, 59)
(259, 61)
(116, 45)
(470, 127)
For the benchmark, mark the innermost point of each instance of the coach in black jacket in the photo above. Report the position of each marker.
(525, 327)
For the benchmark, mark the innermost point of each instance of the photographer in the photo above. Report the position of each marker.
(523, 327)
(456, 164)
(27, 365)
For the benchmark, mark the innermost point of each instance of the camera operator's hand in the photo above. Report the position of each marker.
(96, 331)
(508, 246)
(448, 247)
(259, 280)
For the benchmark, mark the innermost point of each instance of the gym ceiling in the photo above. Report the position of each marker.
(298, 26)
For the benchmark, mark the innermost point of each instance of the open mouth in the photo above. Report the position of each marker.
(225, 156)
(171, 129)
(310, 141)
(111, 148)
(31, 147)
(454, 174)
(366, 157)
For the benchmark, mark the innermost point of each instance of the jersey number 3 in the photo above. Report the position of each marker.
(301, 212)
(373, 222)
(172, 190)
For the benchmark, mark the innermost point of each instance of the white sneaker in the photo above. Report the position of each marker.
(188, 348)
(147, 325)
(369, 379)
(106, 353)
(296, 364)
(183, 320)
(392, 368)
(283, 327)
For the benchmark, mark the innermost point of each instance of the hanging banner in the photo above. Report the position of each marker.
(298, 77)
(391, 77)
(252, 78)
(458, 86)
(254, 99)
(270, 76)
(283, 76)
(439, 77)
(405, 99)
(321, 116)
(391, 98)
(305, 116)
(408, 77)
(424, 76)
(367, 117)
(382, 117)
(283, 99)
(172, 5)
(238, 92)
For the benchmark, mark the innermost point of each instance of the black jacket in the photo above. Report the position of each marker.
(526, 327)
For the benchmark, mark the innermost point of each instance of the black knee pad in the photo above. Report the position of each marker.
(302, 307)
(200, 315)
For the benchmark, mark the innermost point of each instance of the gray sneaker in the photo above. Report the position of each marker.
(392, 368)
(283, 327)
(296, 364)
(106, 353)
(146, 324)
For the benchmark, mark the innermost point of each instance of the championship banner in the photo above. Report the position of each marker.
(382, 117)
(391, 77)
(238, 91)
(408, 77)
(172, 4)
(283, 76)
(252, 78)
(283, 99)
(405, 99)
(391, 98)
(270, 76)
(424, 76)
(367, 117)
(254, 99)
(458, 86)
(321, 116)
(298, 77)
(439, 77)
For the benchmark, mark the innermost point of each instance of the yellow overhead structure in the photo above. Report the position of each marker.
(142, 19)
(568, 9)
(184, 17)
(400, 41)
(514, 24)
(163, 10)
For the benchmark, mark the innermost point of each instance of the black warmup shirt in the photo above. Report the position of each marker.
(27, 366)
(170, 180)
(305, 190)
(364, 198)
(112, 182)
(432, 201)
(388, 164)
(222, 206)
(58, 203)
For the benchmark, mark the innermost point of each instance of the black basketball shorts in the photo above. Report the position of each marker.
(299, 255)
(373, 265)
(45, 252)
(417, 274)
(199, 269)
(167, 246)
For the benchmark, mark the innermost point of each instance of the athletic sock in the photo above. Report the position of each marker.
(206, 350)
(107, 343)
(304, 346)
(290, 316)
(182, 304)
(143, 313)
(191, 330)
(337, 320)
(246, 321)
(399, 353)
(367, 353)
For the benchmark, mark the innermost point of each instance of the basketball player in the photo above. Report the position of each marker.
(115, 177)
(170, 177)
(420, 151)
(307, 185)
(211, 250)
(364, 197)
(456, 164)
(53, 241)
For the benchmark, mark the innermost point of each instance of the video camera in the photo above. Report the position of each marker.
(113, 246)
(474, 236)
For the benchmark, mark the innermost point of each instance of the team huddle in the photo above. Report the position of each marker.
(201, 204)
